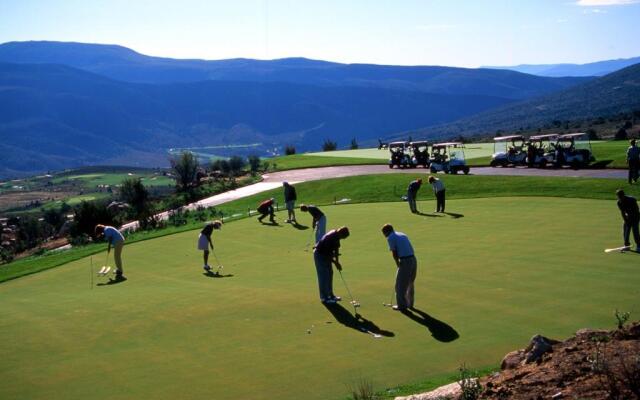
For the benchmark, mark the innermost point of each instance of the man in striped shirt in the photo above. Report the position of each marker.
(438, 190)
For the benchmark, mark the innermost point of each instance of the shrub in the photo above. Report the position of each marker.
(621, 134)
(471, 388)
(254, 163)
(354, 144)
(289, 150)
(329, 145)
(185, 168)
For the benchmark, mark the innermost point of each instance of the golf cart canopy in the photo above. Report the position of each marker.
(543, 137)
(571, 135)
(420, 143)
(505, 138)
(398, 144)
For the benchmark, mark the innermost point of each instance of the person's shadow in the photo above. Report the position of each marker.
(440, 330)
(357, 322)
(270, 223)
(454, 215)
(210, 274)
(299, 227)
(112, 281)
(428, 215)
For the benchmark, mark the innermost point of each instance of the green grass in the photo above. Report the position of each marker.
(371, 188)
(298, 161)
(169, 332)
(91, 180)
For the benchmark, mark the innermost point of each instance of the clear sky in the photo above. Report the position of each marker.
(466, 33)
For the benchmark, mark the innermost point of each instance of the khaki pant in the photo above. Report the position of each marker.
(117, 255)
(405, 277)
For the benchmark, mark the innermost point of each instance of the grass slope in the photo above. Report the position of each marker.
(169, 332)
(364, 189)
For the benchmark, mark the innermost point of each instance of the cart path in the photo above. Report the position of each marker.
(274, 180)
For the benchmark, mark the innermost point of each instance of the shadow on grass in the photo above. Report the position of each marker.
(210, 274)
(440, 330)
(357, 322)
(428, 215)
(271, 223)
(112, 281)
(299, 227)
(454, 215)
(600, 164)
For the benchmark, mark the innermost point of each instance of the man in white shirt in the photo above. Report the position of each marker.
(438, 190)
(407, 265)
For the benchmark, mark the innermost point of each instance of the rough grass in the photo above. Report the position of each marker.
(298, 161)
(364, 189)
(507, 269)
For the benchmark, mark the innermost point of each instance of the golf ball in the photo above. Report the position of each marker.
(309, 331)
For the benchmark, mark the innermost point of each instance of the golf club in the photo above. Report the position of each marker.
(217, 261)
(306, 248)
(375, 335)
(91, 266)
(353, 302)
(390, 303)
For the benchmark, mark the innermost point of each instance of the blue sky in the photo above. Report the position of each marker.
(466, 33)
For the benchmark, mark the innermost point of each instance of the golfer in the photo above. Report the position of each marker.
(319, 222)
(406, 264)
(325, 254)
(633, 160)
(438, 190)
(266, 208)
(412, 193)
(204, 241)
(290, 201)
(115, 239)
(628, 206)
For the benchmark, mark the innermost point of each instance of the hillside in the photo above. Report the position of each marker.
(599, 68)
(56, 117)
(612, 94)
(124, 64)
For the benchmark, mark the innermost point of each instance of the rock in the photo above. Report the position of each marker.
(586, 333)
(512, 360)
(451, 390)
(538, 346)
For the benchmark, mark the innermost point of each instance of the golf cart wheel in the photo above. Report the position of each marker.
(466, 170)
(543, 163)
(454, 171)
(390, 166)
(493, 163)
(575, 164)
(433, 170)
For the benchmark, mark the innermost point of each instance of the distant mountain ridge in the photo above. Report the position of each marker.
(612, 94)
(599, 68)
(55, 117)
(124, 64)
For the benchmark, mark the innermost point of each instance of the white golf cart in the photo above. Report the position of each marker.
(574, 150)
(508, 151)
(541, 150)
(420, 150)
(448, 157)
(399, 155)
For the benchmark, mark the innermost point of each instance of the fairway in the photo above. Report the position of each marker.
(504, 270)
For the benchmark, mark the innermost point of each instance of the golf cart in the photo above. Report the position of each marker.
(508, 150)
(399, 155)
(541, 150)
(574, 150)
(420, 153)
(448, 157)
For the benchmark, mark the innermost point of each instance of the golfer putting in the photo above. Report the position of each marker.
(204, 242)
(319, 223)
(114, 238)
(439, 192)
(406, 264)
(266, 208)
(628, 207)
(412, 193)
(325, 254)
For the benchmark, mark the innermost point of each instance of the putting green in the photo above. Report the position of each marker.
(506, 270)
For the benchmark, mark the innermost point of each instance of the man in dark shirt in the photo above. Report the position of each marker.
(290, 198)
(325, 254)
(412, 193)
(319, 222)
(266, 208)
(631, 216)
(633, 159)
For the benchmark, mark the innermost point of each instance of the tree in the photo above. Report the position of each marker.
(621, 134)
(136, 195)
(289, 150)
(87, 215)
(254, 164)
(185, 168)
(329, 145)
(236, 164)
(593, 135)
(354, 144)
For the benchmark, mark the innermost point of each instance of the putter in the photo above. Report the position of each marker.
(218, 261)
(91, 274)
(390, 303)
(306, 248)
(105, 268)
(353, 302)
(375, 335)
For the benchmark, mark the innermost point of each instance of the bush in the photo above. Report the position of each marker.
(329, 145)
(471, 388)
(236, 165)
(185, 168)
(593, 135)
(289, 150)
(254, 164)
(621, 134)
(354, 144)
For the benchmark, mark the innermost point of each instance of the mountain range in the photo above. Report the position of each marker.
(599, 68)
(70, 104)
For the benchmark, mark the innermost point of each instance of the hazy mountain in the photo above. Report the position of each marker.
(615, 93)
(54, 116)
(599, 68)
(124, 64)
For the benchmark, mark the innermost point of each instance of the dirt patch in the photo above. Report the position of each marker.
(19, 199)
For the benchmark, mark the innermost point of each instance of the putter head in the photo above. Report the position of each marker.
(355, 303)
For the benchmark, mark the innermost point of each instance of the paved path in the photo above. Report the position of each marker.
(274, 180)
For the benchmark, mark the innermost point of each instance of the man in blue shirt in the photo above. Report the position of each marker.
(115, 239)
(319, 222)
(407, 265)
(325, 254)
(633, 159)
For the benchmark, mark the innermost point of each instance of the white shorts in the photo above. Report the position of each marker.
(203, 242)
